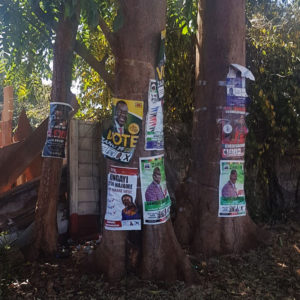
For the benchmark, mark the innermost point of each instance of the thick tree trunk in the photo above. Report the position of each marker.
(45, 240)
(161, 256)
(221, 41)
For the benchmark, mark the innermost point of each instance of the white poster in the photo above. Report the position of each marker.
(122, 212)
(154, 137)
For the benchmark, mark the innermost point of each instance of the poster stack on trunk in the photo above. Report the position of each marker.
(118, 144)
(234, 130)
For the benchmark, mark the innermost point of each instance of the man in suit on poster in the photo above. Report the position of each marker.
(154, 191)
(229, 189)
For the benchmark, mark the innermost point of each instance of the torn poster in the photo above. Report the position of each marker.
(156, 199)
(57, 130)
(236, 85)
(154, 137)
(160, 68)
(121, 211)
(120, 139)
(234, 131)
(231, 189)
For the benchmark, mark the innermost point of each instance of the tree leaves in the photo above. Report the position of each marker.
(118, 21)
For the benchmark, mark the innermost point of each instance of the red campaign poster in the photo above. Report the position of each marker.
(234, 132)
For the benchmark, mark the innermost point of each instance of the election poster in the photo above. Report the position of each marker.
(122, 212)
(160, 68)
(120, 139)
(156, 199)
(231, 189)
(234, 131)
(57, 130)
(154, 121)
(236, 85)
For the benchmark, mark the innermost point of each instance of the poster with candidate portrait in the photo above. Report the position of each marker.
(122, 212)
(57, 130)
(120, 139)
(155, 196)
(154, 137)
(234, 131)
(231, 189)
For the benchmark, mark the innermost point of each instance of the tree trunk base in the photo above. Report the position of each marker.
(110, 257)
(159, 241)
(232, 235)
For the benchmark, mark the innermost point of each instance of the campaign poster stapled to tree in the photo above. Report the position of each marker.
(231, 189)
(57, 130)
(154, 122)
(234, 131)
(236, 85)
(120, 139)
(122, 212)
(160, 68)
(156, 199)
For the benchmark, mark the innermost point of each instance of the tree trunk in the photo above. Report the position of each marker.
(221, 41)
(161, 256)
(45, 239)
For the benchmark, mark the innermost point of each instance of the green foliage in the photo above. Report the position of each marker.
(273, 49)
(180, 65)
(180, 77)
(94, 96)
(26, 48)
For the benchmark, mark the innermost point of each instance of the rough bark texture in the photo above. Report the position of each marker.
(138, 45)
(45, 240)
(221, 41)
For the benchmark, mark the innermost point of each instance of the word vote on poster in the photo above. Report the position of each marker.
(122, 212)
(160, 68)
(156, 199)
(120, 139)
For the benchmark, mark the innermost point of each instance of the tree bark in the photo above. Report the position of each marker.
(45, 238)
(161, 257)
(221, 41)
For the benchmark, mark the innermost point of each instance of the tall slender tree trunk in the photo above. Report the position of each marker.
(154, 252)
(45, 240)
(220, 42)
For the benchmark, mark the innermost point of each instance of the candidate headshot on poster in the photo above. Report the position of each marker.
(120, 139)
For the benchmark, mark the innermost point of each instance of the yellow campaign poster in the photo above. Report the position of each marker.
(120, 138)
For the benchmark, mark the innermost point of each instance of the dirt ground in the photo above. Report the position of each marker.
(270, 272)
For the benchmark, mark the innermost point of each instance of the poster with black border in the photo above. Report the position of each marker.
(155, 196)
(122, 212)
(120, 139)
(154, 137)
(232, 201)
(57, 130)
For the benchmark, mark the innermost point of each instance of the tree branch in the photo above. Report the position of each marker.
(108, 34)
(98, 66)
(45, 18)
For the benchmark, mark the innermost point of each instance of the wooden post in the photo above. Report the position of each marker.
(7, 115)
